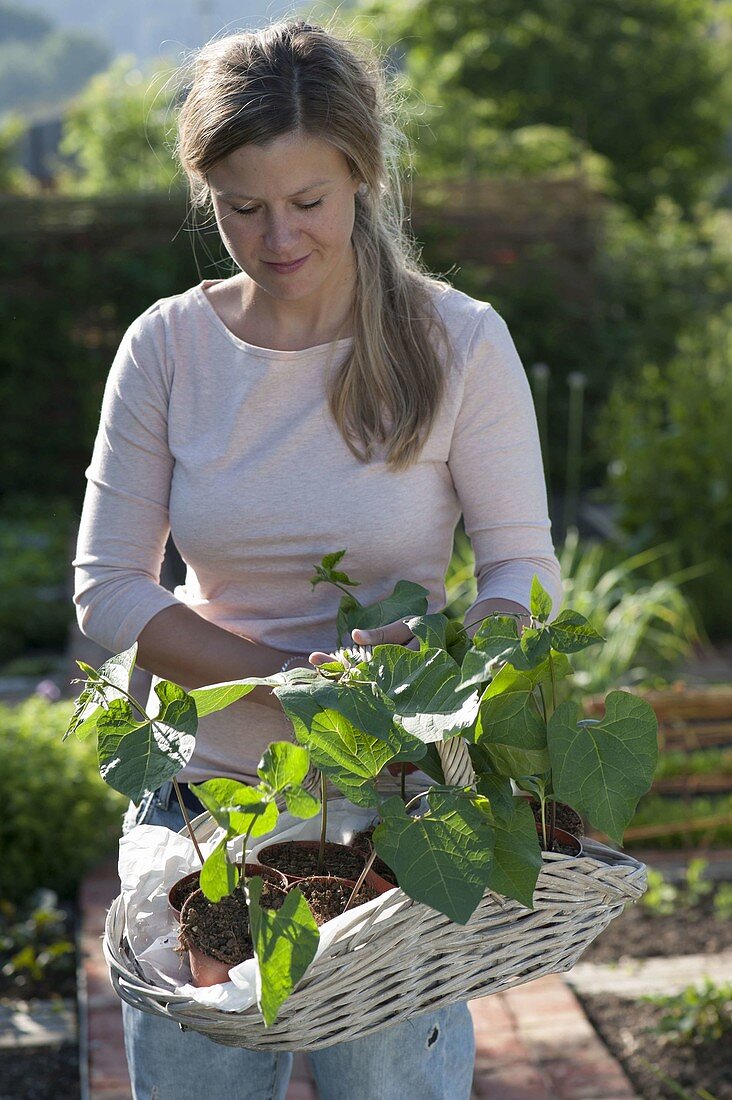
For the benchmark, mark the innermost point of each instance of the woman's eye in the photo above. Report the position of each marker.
(253, 209)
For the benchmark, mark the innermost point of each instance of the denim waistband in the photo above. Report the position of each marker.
(165, 796)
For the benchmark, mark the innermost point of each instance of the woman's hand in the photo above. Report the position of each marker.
(396, 633)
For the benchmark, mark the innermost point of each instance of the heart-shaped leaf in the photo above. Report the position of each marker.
(442, 858)
(602, 767)
(285, 943)
(135, 759)
(511, 732)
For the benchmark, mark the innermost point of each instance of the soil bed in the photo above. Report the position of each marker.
(640, 933)
(327, 897)
(294, 858)
(221, 929)
(623, 1027)
(38, 1073)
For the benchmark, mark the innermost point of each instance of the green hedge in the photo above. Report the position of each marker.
(58, 818)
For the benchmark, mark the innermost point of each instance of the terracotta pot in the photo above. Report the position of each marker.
(568, 839)
(373, 879)
(180, 890)
(206, 970)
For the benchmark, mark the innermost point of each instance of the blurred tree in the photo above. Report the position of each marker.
(645, 83)
(39, 65)
(21, 25)
(119, 131)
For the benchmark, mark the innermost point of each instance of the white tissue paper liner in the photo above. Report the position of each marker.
(152, 859)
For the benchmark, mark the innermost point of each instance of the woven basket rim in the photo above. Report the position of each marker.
(596, 858)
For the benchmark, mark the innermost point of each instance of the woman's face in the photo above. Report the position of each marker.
(292, 199)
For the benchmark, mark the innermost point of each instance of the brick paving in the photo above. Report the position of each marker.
(532, 1043)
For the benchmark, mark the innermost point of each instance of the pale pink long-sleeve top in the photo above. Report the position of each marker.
(232, 448)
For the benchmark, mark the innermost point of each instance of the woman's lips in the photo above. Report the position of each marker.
(284, 269)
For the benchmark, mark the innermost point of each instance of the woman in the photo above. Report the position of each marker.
(330, 394)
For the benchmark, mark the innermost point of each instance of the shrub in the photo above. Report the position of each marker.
(58, 816)
(667, 433)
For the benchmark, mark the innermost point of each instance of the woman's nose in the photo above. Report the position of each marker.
(281, 236)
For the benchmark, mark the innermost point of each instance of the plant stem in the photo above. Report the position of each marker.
(361, 879)
(323, 821)
(552, 824)
(543, 822)
(554, 682)
(187, 820)
(403, 782)
(541, 709)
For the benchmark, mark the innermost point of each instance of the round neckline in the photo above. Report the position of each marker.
(254, 349)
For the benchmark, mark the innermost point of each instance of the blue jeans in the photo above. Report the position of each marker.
(427, 1058)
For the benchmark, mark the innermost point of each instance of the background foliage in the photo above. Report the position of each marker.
(59, 817)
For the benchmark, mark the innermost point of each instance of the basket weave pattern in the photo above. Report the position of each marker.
(376, 974)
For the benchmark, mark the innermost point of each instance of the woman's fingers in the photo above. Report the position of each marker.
(397, 633)
(320, 658)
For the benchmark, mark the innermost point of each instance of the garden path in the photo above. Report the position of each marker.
(532, 1043)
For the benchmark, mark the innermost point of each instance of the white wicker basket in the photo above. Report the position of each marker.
(376, 974)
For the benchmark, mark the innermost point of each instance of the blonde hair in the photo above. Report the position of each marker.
(255, 86)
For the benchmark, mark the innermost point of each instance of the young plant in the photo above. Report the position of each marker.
(698, 1014)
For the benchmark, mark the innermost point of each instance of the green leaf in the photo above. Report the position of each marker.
(418, 683)
(509, 679)
(285, 942)
(602, 767)
(134, 759)
(283, 765)
(218, 875)
(364, 708)
(442, 858)
(496, 788)
(516, 855)
(457, 641)
(216, 697)
(236, 807)
(302, 803)
(407, 599)
(90, 704)
(177, 709)
(348, 617)
(326, 571)
(533, 648)
(541, 603)
(512, 733)
(430, 629)
(495, 641)
(570, 632)
(430, 727)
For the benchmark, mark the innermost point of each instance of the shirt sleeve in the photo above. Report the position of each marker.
(124, 522)
(496, 467)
